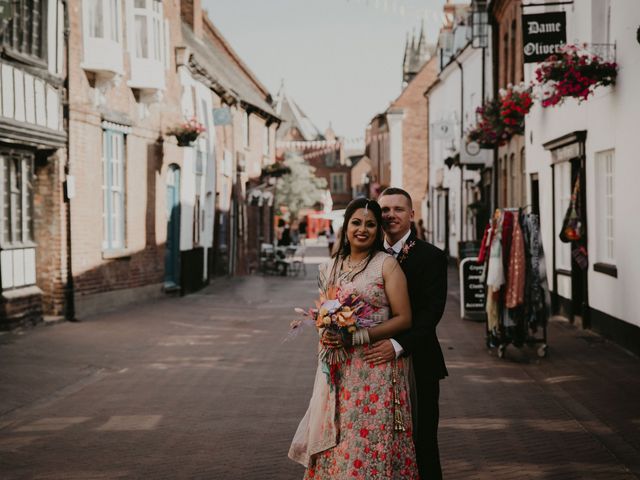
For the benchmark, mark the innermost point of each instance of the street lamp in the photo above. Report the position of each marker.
(479, 24)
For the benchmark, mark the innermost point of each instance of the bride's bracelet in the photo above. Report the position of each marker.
(360, 336)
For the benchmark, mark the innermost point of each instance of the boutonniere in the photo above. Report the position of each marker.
(405, 250)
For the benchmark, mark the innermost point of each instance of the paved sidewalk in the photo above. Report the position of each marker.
(202, 387)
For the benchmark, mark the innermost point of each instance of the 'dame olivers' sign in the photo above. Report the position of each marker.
(543, 34)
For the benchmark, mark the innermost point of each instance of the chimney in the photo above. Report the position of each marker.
(191, 11)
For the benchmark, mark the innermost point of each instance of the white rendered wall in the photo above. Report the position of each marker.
(610, 118)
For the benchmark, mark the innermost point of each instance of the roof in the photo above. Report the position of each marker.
(293, 117)
(224, 71)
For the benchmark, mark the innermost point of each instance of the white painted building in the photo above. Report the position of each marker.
(598, 140)
(455, 178)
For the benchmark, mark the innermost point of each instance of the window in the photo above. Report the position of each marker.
(442, 216)
(16, 175)
(563, 187)
(245, 129)
(605, 188)
(148, 26)
(17, 250)
(523, 178)
(196, 221)
(25, 32)
(266, 142)
(103, 18)
(513, 181)
(338, 182)
(113, 187)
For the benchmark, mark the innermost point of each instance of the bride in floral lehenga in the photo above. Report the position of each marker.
(361, 426)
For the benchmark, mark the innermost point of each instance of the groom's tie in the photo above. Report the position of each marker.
(391, 251)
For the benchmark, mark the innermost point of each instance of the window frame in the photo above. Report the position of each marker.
(11, 42)
(605, 207)
(109, 241)
(25, 193)
(333, 176)
(155, 31)
(111, 17)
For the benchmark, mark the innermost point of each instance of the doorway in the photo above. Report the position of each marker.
(172, 248)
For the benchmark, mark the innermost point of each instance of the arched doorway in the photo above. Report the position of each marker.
(172, 248)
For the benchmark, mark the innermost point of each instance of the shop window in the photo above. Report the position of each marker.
(563, 186)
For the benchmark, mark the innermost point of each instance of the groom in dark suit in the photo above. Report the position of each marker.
(425, 267)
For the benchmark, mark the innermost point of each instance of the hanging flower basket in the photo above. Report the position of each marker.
(574, 73)
(502, 118)
(489, 131)
(188, 132)
(515, 103)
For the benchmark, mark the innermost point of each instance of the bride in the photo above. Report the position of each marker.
(361, 427)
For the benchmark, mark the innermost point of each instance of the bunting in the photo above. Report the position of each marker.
(400, 8)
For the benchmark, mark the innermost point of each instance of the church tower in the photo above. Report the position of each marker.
(416, 54)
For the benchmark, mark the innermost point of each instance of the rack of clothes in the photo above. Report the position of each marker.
(515, 280)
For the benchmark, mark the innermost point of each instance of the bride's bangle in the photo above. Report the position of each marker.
(360, 336)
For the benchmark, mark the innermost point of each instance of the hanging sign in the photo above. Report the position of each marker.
(222, 116)
(472, 301)
(543, 34)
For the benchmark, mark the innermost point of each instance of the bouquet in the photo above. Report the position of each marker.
(340, 310)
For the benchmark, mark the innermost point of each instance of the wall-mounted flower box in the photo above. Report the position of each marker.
(574, 73)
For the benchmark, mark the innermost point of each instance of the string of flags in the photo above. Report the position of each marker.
(316, 148)
(400, 7)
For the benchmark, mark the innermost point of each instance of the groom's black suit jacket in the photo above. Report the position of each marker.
(425, 267)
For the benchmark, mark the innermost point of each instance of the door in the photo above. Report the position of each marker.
(172, 248)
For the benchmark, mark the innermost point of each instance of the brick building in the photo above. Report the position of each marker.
(510, 173)
(161, 215)
(397, 141)
(33, 163)
(325, 152)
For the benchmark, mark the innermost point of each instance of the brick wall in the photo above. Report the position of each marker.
(149, 152)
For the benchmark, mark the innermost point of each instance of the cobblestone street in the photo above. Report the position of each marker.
(202, 387)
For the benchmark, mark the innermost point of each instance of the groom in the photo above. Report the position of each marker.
(425, 267)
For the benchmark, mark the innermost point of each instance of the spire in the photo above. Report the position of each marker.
(405, 59)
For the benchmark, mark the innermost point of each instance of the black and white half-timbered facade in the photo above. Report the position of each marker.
(32, 160)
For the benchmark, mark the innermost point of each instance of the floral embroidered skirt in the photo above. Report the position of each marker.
(368, 446)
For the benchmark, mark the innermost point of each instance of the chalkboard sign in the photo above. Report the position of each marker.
(472, 293)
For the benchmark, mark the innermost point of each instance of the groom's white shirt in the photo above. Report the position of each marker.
(397, 248)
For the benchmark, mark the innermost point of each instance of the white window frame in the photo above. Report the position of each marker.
(246, 129)
(151, 16)
(17, 246)
(266, 141)
(563, 187)
(338, 179)
(605, 207)
(114, 190)
(109, 13)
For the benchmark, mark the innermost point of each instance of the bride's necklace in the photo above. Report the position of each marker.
(351, 266)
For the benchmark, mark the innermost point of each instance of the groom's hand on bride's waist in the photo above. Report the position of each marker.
(380, 352)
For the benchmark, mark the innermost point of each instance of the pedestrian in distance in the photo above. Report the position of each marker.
(358, 424)
(331, 238)
(425, 267)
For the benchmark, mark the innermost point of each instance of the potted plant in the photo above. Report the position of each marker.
(574, 73)
(188, 132)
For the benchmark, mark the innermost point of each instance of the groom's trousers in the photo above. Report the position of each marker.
(426, 439)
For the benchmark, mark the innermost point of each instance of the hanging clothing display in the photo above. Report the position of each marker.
(515, 274)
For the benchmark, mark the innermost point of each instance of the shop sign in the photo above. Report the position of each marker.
(472, 303)
(543, 34)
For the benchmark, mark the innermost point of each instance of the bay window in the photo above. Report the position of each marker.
(148, 44)
(102, 30)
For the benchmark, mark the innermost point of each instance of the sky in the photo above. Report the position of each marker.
(341, 60)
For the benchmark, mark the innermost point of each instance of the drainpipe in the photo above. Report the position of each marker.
(69, 294)
(461, 138)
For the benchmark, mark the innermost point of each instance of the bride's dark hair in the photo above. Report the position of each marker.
(344, 248)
